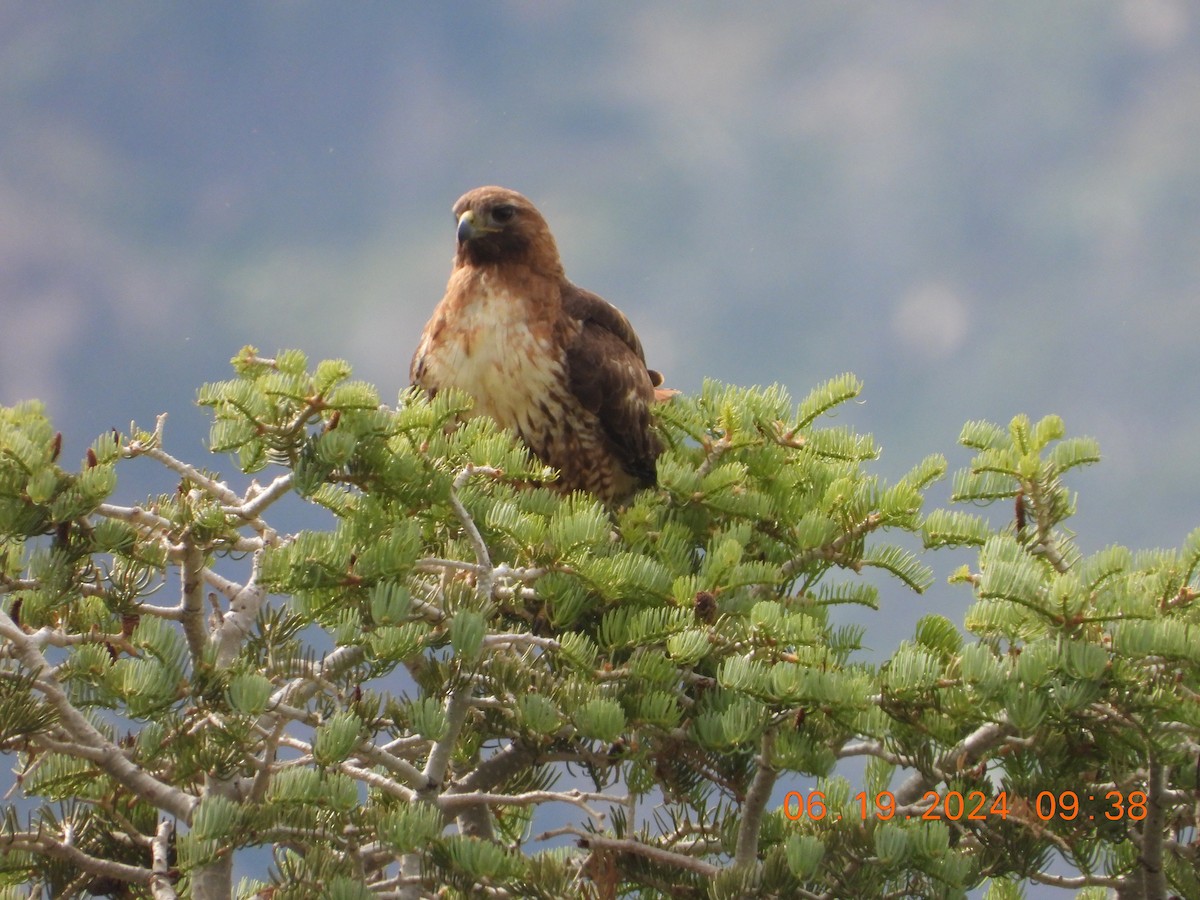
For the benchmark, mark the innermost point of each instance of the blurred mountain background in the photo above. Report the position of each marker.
(980, 209)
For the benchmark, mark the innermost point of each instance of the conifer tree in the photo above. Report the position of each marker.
(464, 683)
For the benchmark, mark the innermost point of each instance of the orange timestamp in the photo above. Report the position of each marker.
(974, 806)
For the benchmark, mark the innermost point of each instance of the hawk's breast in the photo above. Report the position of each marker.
(487, 344)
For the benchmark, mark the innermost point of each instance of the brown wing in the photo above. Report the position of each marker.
(608, 375)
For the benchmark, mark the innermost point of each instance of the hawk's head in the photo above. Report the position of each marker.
(496, 226)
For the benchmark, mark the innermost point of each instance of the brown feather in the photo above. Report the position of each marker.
(558, 364)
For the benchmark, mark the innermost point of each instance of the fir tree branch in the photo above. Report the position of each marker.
(379, 782)
(436, 566)
(497, 768)
(1046, 546)
(307, 414)
(516, 757)
(755, 804)
(17, 584)
(226, 587)
(191, 575)
(299, 690)
(458, 704)
(372, 753)
(431, 612)
(32, 584)
(256, 501)
(1189, 853)
(1150, 839)
(1073, 882)
(41, 842)
(266, 762)
(452, 802)
(520, 639)
(110, 758)
(966, 753)
(483, 557)
(174, 613)
(588, 840)
(412, 742)
(281, 710)
(713, 451)
(834, 551)
(153, 449)
(57, 744)
(873, 748)
(410, 877)
(160, 853)
(148, 522)
(214, 880)
(238, 620)
(56, 637)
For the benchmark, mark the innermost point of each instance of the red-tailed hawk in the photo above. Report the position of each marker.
(555, 363)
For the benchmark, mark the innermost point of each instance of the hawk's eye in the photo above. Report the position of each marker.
(502, 214)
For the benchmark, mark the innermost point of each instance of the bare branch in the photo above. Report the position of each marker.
(160, 852)
(1154, 878)
(266, 762)
(873, 748)
(637, 848)
(299, 690)
(54, 637)
(239, 620)
(520, 639)
(135, 515)
(458, 704)
(42, 842)
(372, 753)
(381, 783)
(254, 505)
(453, 802)
(965, 754)
(757, 797)
(191, 575)
(498, 768)
(1074, 882)
(213, 488)
(482, 556)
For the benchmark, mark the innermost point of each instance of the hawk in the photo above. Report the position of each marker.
(555, 363)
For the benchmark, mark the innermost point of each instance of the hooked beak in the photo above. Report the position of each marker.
(469, 227)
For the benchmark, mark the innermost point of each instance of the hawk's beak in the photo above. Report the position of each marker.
(467, 227)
